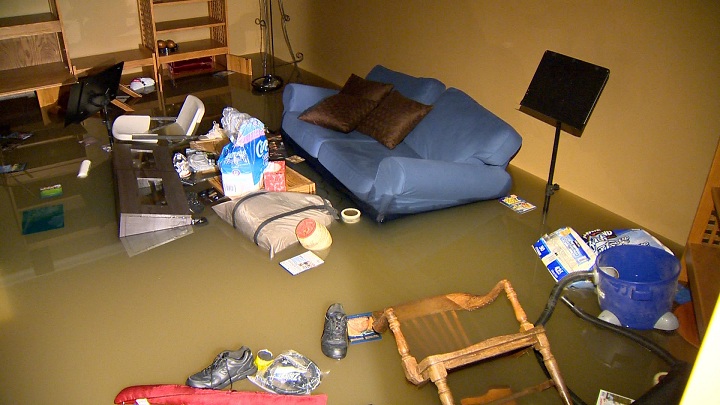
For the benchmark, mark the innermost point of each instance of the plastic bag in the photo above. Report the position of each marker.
(242, 161)
(601, 240)
(231, 121)
(290, 373)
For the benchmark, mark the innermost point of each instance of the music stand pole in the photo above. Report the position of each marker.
(550, 188)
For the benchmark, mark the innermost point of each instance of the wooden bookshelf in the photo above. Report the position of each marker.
(33, 56)
(701, 259)
(211, 28)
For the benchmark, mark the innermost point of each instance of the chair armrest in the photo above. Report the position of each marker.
(300, 97)
(164, 119)
(434, 179)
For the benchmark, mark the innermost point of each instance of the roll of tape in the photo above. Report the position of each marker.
(263, 359)
(313, 235)
(350, 215)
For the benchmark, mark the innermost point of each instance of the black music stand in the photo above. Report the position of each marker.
(563, 93)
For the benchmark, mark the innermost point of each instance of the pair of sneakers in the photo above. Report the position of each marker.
(334, 340)
(228, 367)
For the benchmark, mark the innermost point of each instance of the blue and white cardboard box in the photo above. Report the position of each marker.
(564, 252)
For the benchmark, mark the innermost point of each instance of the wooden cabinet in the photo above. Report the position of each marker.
(33, 56)
(701, 258)
(210, 29)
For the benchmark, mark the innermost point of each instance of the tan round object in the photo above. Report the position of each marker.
(313, 235)
(350, 215)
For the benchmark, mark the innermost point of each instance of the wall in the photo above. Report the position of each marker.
(648, 145)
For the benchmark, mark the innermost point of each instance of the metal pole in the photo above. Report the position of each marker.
(550, 188)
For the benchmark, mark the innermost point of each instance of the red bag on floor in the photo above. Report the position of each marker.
(171, 394)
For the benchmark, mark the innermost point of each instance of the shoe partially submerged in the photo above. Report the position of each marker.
(334, 341)
(228, 367)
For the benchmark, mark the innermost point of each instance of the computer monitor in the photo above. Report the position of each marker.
(564, 90)
(93, 93)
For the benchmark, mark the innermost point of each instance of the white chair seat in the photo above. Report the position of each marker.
(136, 128)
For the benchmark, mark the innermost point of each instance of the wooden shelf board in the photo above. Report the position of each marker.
(31, 78)
(166, 27)
(24, 25)
(195, 49)
(133, 58)
(157, 3)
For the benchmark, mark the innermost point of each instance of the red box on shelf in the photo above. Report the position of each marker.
(191, 66)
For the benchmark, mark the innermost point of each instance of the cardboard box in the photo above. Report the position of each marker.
(210, 145)
(564, 252)
(298, 183)
(239, 64)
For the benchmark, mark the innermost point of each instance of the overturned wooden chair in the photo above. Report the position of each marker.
(437, 317)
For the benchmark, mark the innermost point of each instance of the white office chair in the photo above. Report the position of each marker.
(137, 128)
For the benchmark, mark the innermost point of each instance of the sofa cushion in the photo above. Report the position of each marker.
(368, 89)
(310, 137)
(355, 164)
(340, 112)
(458, 129)
(421, 89)
(391, 121)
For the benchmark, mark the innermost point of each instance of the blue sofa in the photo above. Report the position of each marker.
(457, 154)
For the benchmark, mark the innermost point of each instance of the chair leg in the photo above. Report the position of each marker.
(438, 375)
(543, 346)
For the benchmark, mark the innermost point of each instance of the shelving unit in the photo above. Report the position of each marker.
(214, 45)
(139, 58)
(33, 56)
(701, 259)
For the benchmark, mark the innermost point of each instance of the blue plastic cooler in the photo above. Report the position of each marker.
(636, 286)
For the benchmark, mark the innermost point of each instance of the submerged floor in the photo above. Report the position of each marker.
(80, 318)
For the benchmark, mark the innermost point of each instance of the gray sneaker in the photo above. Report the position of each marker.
(334, 341)
(228, 367)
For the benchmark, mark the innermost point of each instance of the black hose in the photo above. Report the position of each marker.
(557, 291)
(639, 339)
(668, 391)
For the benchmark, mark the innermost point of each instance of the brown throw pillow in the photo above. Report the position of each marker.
(344, 111)
(393, 119)
(340, 112)
(359, 87)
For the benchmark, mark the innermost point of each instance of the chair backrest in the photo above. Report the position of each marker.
(437, 322)
(190, 115)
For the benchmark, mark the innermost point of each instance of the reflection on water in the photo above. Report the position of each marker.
(159, 307)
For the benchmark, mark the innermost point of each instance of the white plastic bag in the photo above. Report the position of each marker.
(290, 373)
